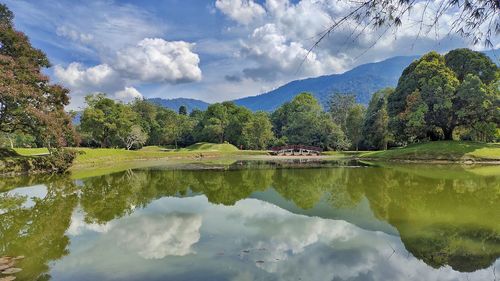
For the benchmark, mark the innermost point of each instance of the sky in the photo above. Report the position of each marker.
(212, 50)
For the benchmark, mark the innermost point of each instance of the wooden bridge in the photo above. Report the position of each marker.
(296, 150)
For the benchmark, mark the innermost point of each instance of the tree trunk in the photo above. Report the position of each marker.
(448, 133)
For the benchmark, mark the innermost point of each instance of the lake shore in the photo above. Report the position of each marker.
(89, 160)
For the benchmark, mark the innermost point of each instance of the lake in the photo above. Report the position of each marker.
(294, 220)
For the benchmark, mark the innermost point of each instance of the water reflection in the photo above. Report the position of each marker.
(205, 223)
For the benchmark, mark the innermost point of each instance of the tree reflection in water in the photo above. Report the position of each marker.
(444, 215)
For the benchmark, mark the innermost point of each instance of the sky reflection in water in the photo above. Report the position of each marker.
(333, 223)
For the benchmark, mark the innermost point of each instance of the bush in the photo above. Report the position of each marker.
(58, 161)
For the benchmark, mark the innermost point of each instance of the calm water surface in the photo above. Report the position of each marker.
(257, 221)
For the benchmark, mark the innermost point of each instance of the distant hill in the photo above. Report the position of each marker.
(363, 81)
(174, 104)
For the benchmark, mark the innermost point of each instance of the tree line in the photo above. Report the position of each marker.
(438, 97)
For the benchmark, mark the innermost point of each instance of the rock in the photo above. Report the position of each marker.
(19, 258)
(4, 260)
(8, 278)
(12, 270)
(5, 266)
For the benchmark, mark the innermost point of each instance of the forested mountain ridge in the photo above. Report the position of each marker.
(174, 104)
(362, 80)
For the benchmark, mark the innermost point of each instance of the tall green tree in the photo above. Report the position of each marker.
(339, 105)
(106, 122)
(375, 132)
(302, 121)
(29, 103)
(257, 132)
(183, 110)
(146, 114)
(354, 124)
(436, 84)
(437, 94)
(214, 123)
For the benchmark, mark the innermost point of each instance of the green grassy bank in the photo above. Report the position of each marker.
(440, 151)
(105, 160)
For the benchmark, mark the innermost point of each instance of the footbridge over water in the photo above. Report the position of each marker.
(296, 150)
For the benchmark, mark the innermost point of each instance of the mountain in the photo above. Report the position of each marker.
(363, 81)
(174, 104)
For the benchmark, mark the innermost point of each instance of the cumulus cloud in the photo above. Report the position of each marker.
(149, 61)
(157, 60)
(158, 236)
(277, 45)
(101, 77)
(128, 94)
(242, 11)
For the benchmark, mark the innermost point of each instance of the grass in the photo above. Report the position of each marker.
(31, 151)
(99, 156)
(440, 150)
(205, 146)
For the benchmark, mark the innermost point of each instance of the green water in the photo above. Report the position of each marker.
(257, 221)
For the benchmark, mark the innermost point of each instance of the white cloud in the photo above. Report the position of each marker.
(65, 31)
(158, 236)
(150, 61)
(276, 54)
(128, 94)
(157, 60)
(101, 77)
(242, 11)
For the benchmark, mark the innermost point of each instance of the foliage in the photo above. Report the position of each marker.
(339, 106)
(29, 103)
(136, 137)
(58, 161)
(257, 132)
(107, 123)
(302, 121)
(182, 110)
(354, 124)
(375, 127)
(437, 94)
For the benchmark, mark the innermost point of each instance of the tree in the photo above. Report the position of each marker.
(257, 132)
(238, 117)
(214, 123)
(302, 121)
(29, 103)
(475, 108)
(106, 122)
(339, 105)
(437, 94)
(354, 124)
(182, 110)
(465, 61)
(135, 137)
(478, 21)
(375, 132)
(146, 114)
(436, 84)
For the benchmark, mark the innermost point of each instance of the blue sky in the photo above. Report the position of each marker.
(211, 50)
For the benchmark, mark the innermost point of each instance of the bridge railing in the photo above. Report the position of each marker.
(296, 147)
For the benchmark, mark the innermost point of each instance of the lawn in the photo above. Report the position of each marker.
(95, 156)
(31, 151)
(440, 150)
